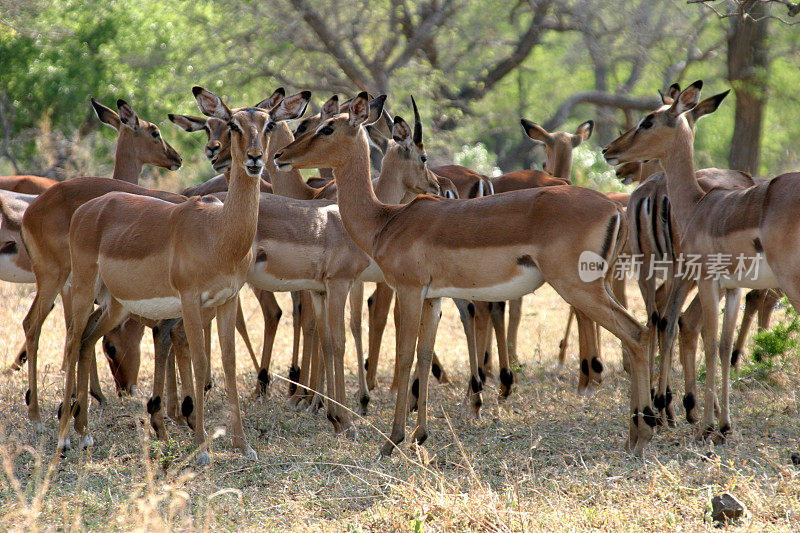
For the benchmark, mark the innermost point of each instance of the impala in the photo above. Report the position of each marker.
(718, 222)
(180, 260)
(493, 248)
(45, 226)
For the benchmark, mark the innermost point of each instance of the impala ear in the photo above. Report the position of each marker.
(11, 211)
(127, 115)
(210, 104)
(401, 133)
(273, 100)
(358, 109)
(708, 106)
(188, 122)
(687, 99)
(106, 115)
(376, 138)
(291, 107)
(330, 108)
(583, 132)
(536, 132)
(671, 94)
(375, 109)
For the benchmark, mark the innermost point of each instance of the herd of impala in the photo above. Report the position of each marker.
(124, 257)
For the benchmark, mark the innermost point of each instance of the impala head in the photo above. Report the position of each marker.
(334, 141)
(142, 137)
(655, 134)
(407, 157)
(250, 126)
(635, 171)
(218, 147)
(558, 145)
(122, 349)
(309, 124)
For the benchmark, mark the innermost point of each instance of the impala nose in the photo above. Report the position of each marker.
(212, 149)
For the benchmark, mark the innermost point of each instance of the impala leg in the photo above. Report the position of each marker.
(209, 381)
(173, 403)
(467, 312)
(356, 301)
(323, 328)
(193, 328)
(378, 306)
(562, 346)
(589, 363)
(241, 327)
(271, 312)
(709, 302)
(47, 288)
(316, 400)
(752, 303)
(183, 358)
(482, 317)
(97, 326)
(688, 335)
(732, 298)
(336, 300)
(678, 290)
(599, 304)
(310, 341)
(770, 299)
(514, 320)
(408, 316)
(226, 326)
(499, 323)
(295, 372)
(431, 311)
(162, 343)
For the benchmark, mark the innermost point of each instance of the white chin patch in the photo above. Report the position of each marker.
(283, 166)
(613, 161)
(174, 167)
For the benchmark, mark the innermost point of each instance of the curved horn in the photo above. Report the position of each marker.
(417, 123)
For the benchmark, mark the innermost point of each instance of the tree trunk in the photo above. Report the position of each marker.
(748, 63)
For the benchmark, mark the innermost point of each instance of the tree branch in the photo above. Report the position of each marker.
(598, 98)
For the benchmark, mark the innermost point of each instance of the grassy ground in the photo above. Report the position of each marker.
(545, 459)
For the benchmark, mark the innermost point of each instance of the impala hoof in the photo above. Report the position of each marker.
(249, 454)
(87, 441)
(64, 445)
(387, 449)
(203, 459)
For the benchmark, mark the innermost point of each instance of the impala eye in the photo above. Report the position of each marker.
(646, 123)
(301, 128)
(423, 158)
(327, 130)
(233, 127)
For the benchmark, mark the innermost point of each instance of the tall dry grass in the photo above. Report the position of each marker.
(545, 459)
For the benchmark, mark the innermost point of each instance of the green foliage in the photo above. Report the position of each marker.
(777, 341)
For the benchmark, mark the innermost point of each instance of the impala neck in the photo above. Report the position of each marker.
(285, 183)
(363, 215)
(682, 187)
(127, 167)
(562, 166)
(389, 188)
(237, 226)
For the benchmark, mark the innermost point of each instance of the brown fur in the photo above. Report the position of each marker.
(411, 245)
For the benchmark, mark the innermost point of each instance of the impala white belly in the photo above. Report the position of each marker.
(154, 308)
(527, 281)
(9, 271)
(764, 278)
(266, 281)
(372, 273)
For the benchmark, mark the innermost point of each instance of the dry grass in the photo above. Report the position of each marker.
(546, 459)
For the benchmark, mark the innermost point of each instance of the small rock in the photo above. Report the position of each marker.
(796, 459)
(726, 508)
